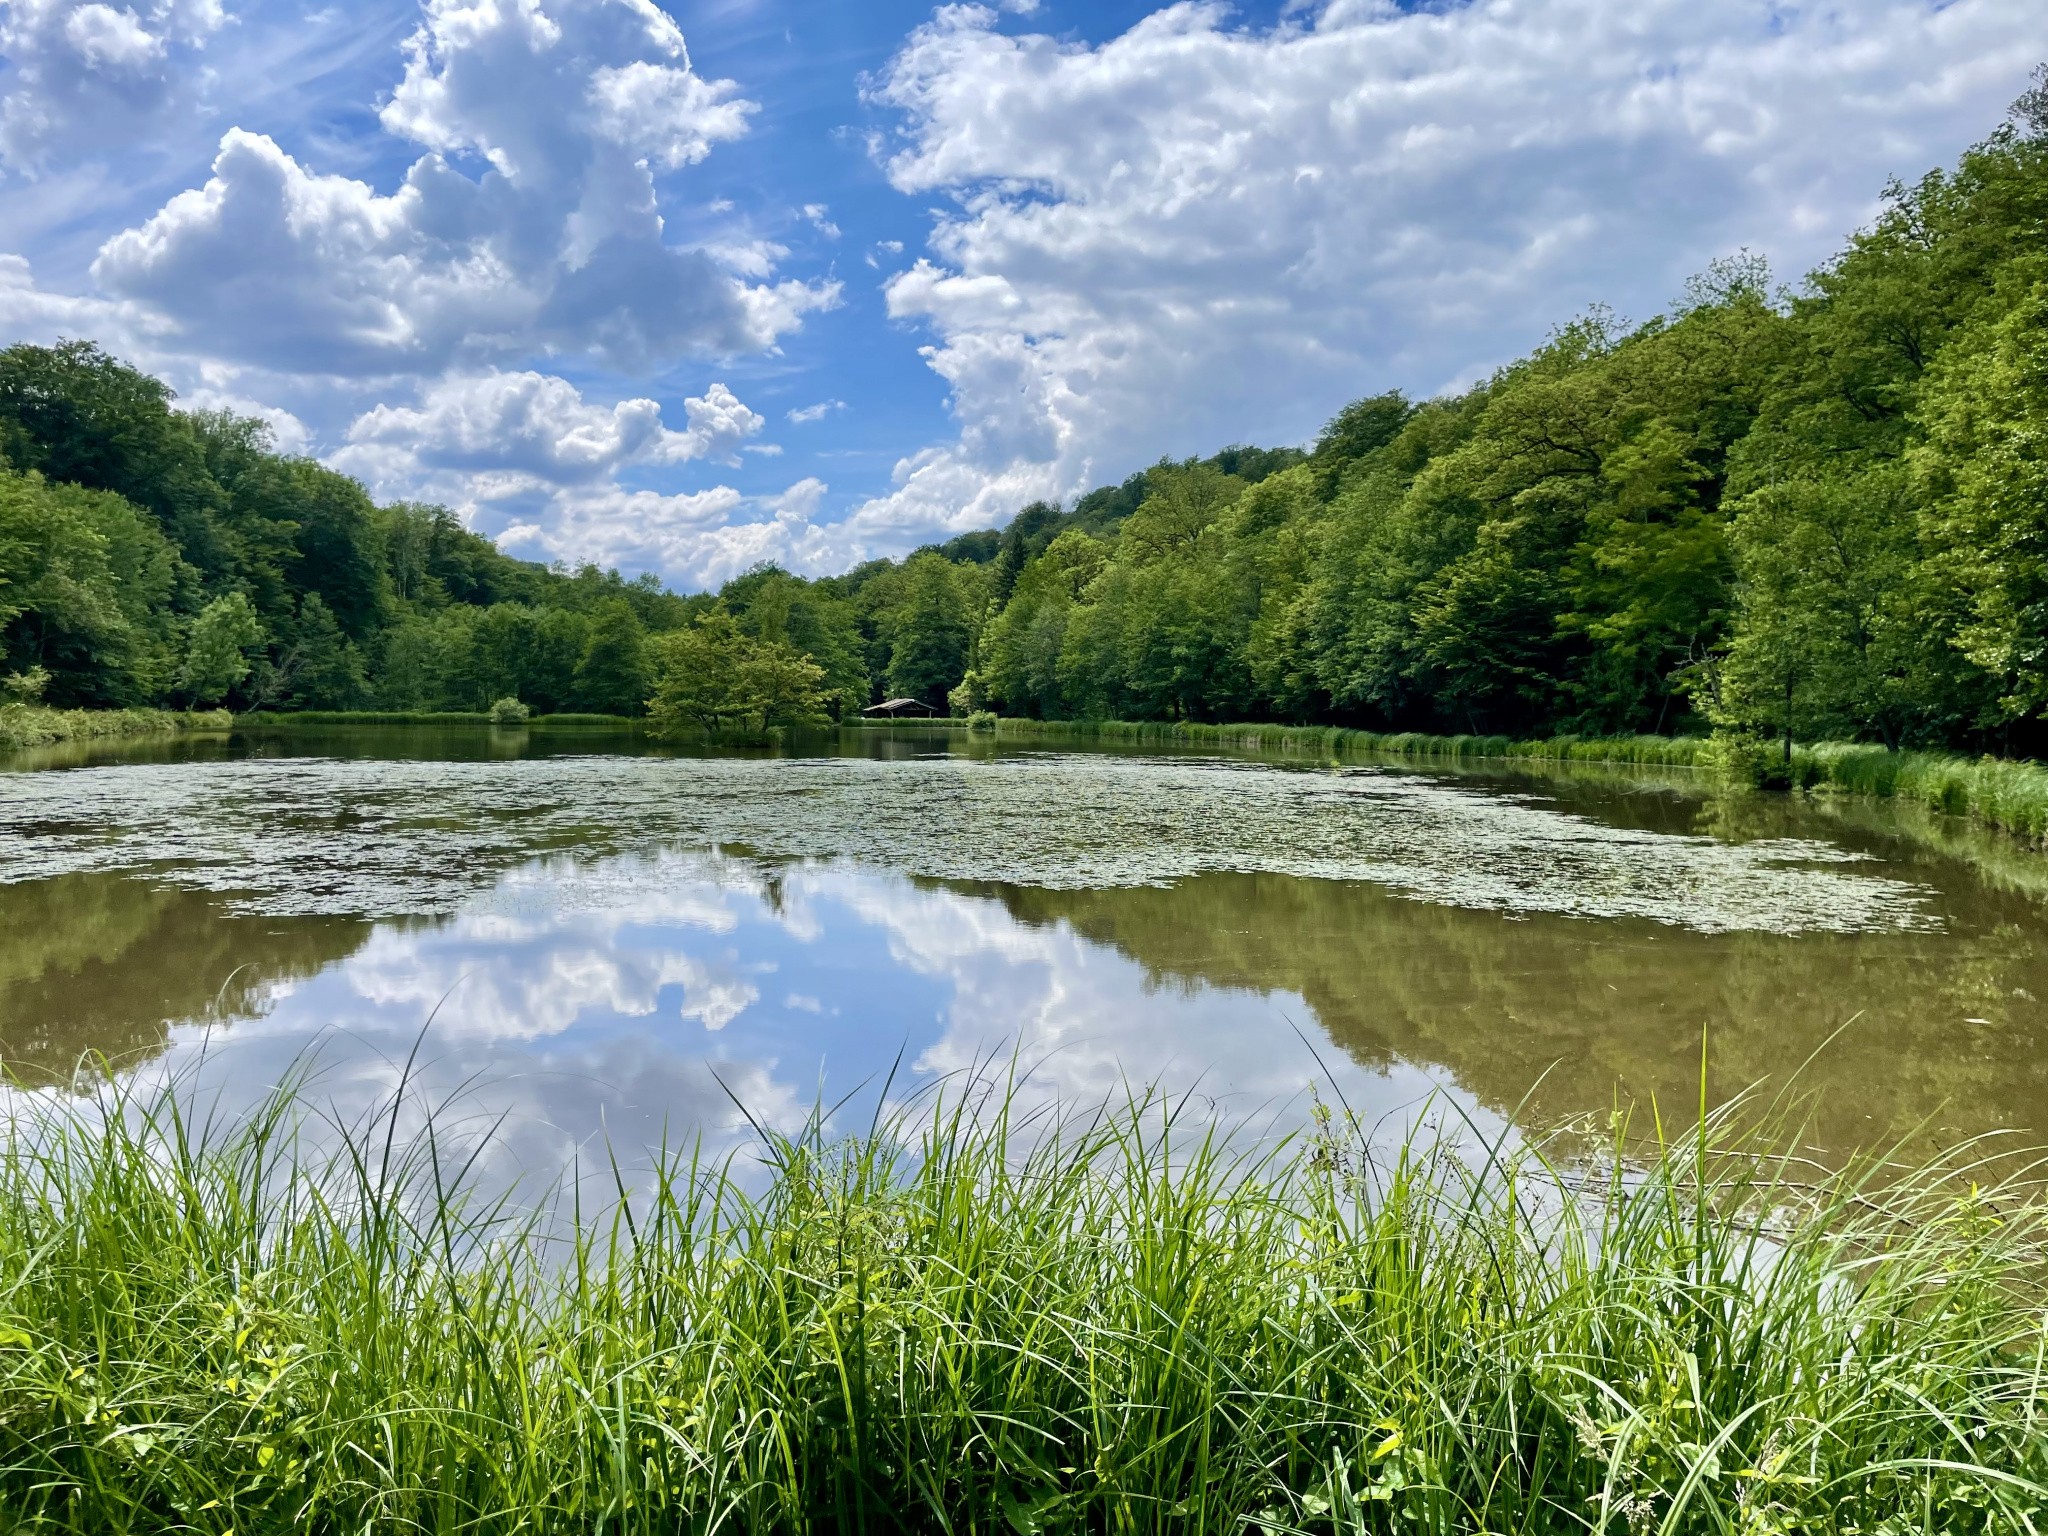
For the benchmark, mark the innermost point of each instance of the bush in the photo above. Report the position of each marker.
(509, 711)
(982, 720)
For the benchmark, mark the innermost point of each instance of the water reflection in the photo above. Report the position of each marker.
(676, 997)
(105, 966)
(1882, 1032)
(590, 961)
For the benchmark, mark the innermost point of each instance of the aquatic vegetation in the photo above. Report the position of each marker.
(419, 837)
(962, 1322)
(1331, 740)
(2009, 795)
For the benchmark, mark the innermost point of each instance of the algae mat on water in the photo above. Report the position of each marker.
(382, 838)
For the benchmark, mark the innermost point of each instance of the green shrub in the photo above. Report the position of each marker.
(982, 720)
(509, 711)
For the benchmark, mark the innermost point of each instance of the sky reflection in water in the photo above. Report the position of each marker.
(596, 968)
(648, 999)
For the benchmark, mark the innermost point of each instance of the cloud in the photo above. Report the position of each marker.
(1194, 234)
(531, 225)
(89, 77)
(528, 448)
(818, 412)
(698, 540)
(538, 427)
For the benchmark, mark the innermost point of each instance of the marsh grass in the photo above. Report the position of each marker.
(32, 725)
(2008, 795)
(1332, 740)
(329, 717)
(963, 1323)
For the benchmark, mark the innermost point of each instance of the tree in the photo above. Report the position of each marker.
(86, 586)
(929, 633)
(715, 676)
(324, 668)
(80, 416)
(612, 676)
(217, 650)
(1984, 467)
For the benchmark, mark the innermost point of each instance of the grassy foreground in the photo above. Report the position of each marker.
(1113, 1326)
(31, 725)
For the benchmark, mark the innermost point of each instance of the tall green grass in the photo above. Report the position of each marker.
(2011, 796)
(31, 725)
(433, 717)
(962, 1324)
(1332, 740)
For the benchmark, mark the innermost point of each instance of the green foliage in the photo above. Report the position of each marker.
(23, 689)
(1117, 1324)
(24, 724)
(714, 676)
(319, 667)
(509, 711)
(217, 649)
(929, 631)
(86, 584)
(773, 605)
(124, 521)
(611, 676)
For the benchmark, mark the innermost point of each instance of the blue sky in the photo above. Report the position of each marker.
(686, 288)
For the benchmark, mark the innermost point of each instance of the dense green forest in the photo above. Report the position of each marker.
(1821, 513)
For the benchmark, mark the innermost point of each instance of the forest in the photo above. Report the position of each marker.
(1818, 512)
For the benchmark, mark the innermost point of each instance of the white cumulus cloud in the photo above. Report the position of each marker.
(540, 427)
(529, 450)
(532, 223)
(1194, 234)
(82, 78)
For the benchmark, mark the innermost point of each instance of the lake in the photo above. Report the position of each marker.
(573, 938)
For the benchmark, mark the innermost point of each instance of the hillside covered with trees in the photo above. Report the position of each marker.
(1821, 512)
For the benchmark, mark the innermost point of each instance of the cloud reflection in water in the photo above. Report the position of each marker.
(643, 1000)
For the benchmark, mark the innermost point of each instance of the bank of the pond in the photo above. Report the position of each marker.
(35, 726)
(2010, 796)
(436, 717)
(1106, 1333)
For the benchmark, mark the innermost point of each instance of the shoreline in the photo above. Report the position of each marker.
(34, 726)
(2006, 795)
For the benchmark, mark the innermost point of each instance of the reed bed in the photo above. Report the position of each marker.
(1123, 1323)
(2011, 796)
(31, 725)
(1332, 740)
(434, 717)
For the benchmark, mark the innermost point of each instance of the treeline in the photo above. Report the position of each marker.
(153, 556)
(1821, 514)
(156, 556)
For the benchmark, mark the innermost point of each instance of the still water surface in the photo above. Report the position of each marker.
(602, 940)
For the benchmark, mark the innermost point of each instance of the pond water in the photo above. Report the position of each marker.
(580, 938)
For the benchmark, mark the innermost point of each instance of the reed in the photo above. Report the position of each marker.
(2008, 795)
(964, 1323)
(434, 717)
(32, 725)
(1332, 740)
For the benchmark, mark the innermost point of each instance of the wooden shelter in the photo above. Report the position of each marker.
(896, 708)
